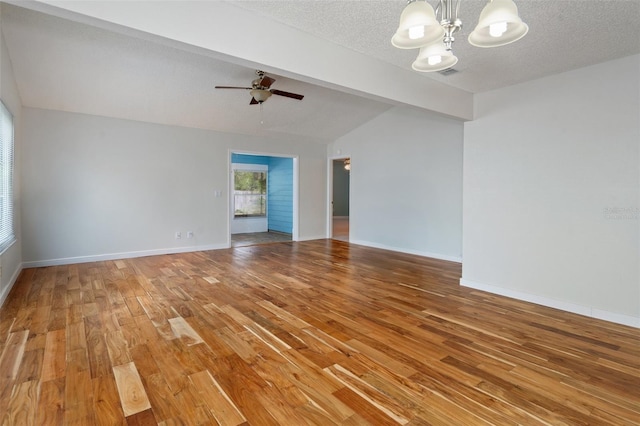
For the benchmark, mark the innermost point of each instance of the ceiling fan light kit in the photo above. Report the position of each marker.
(419, 27)
(260, 95)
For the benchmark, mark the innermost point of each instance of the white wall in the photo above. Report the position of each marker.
(406, 183)
(96, 187)
(543, 163)
(11, 259)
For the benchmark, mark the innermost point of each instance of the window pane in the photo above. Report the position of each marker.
(6, 178)
(250, 181)
(250, 194)
(250, 204)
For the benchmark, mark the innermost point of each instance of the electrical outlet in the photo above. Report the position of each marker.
(189, 234)
(178, 235)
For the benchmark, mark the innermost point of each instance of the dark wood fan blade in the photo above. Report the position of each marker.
(287, 94)
(253, 101)
(267, 81)
(233, 87)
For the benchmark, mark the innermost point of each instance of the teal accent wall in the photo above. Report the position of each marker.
(279, 189)
(280, 195)
(250, 159)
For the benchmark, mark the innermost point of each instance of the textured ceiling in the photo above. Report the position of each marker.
(563, 35)
(93, 68)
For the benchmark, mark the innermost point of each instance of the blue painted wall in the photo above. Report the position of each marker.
(280, 194)
(250, 159)
(279, 189)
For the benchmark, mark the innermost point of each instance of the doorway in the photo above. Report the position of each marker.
(263, 199)
(340, 196)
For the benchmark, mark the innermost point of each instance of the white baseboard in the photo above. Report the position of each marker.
(312, 237)
(12, 281)
(409, 251)
(557, 304)
(124, 255)
(131, 254)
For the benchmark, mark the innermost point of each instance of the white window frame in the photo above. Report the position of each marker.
(7, 234)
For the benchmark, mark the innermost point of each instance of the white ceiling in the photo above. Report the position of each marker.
(71, 63)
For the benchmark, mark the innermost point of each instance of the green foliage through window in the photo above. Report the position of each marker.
(250, 193)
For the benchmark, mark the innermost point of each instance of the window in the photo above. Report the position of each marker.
(6, 178)
(249, 193)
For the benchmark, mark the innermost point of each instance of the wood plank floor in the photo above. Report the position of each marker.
(253, 238)
(318, 332)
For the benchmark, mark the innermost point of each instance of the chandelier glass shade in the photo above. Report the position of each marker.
(499, 24)
(418, 26)
(432, 31)
(434, 57)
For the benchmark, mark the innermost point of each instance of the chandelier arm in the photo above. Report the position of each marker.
(457, 8)
(449, 10)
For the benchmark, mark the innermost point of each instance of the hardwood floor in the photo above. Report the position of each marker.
(340, 228)
(318, 332)
(253, 238)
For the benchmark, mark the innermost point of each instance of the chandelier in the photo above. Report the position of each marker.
(499, 24)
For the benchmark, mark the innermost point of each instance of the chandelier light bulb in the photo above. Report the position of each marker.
(416, 32)
(497, 29)
(434, 60)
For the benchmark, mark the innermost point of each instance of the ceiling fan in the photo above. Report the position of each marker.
(260, 89)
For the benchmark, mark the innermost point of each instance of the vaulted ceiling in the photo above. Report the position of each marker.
(159, 61)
